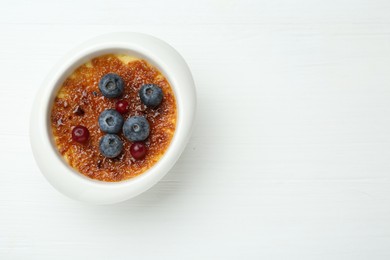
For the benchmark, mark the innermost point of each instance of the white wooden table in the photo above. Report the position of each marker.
(290, 155)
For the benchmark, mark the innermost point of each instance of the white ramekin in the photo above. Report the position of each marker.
(51, 163)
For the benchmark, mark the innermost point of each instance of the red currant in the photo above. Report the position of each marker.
(138, 150)
(122, 106)
(80, 134)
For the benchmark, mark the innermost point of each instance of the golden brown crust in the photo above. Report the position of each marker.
(79, 102)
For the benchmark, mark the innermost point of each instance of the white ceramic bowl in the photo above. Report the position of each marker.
(51, 163)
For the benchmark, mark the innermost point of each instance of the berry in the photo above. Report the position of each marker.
(138, 150)
(80, 134)
(151, 95)
(110, 121)
(136, 128)
(110, 145)
(122, 106)
(111, 85)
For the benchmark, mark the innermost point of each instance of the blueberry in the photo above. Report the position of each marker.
(110, 145)
(110, 121)
(136, 128)
(151, 95)
(111, 85)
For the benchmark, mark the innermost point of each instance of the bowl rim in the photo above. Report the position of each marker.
(51, 163)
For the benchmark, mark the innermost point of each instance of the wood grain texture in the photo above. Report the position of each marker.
(289, 158)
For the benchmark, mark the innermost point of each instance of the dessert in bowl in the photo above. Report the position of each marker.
(113, 117)
(102, 102)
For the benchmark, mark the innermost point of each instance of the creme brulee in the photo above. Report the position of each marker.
(80, 102)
